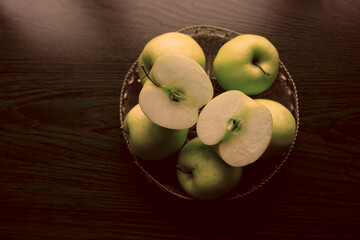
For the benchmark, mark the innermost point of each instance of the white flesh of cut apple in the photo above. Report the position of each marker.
(238, 127)
(180, 77)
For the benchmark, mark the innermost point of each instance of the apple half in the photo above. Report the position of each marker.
(236, 126)
(177, 89)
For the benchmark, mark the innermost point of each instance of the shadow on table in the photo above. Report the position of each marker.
(215, 218)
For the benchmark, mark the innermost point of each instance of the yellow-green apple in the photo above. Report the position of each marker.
(203, 174)
(248, 63)
(236, 126)
(169, 43)
(284, 128)
(177, 88)
(149, 141)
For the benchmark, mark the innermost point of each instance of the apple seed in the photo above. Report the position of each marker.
(234, 124)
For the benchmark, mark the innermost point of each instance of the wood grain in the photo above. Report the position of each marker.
(65, 172)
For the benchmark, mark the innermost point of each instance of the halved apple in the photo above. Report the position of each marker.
(238, 128)
(177, 89)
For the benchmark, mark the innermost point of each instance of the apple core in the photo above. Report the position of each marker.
(234, 124)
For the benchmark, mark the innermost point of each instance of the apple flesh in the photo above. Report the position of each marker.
(236, 126)
(284, 128)
(149, 141)
(248, 63)
(203, 174)
(177, 89)
(169, 43)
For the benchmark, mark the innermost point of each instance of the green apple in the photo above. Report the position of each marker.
(149, 141)
(177, 88)
(202, 174)
(284, 128)
(236, 126)
(248, 63)
(169, 43)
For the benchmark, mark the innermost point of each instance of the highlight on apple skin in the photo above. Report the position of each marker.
(238, 128)
(203, 174)
(149, 141)
(284, 128)
(248, 63)
(169, 43)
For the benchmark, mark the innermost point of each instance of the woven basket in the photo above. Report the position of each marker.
(163, 172)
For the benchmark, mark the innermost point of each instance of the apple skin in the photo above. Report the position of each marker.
(236, 65)
(203, 174)
(149, 141)
(284, 128)
(169, 43)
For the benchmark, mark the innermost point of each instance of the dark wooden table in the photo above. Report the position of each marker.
(65, 171)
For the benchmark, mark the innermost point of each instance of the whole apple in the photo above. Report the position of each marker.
(248, 63)
(149, 141)
(203, 174)
(169, 43)
(284, 128)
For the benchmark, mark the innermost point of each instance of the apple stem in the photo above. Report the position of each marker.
(266, 73)
(147, 75)
(182, 170)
